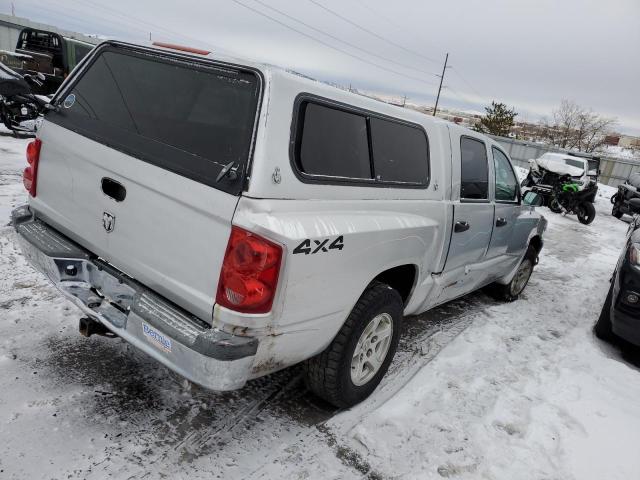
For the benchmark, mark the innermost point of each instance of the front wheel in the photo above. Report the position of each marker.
(512, 290)
(554, 205)
(351, 367)
(586, 213)
(616, 213)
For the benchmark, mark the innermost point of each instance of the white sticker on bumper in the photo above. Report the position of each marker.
(156, 338)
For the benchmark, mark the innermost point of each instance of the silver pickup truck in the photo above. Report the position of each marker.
(231, 219)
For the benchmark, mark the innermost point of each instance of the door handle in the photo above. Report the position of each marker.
(501, 222)
(113, 189)
(461, 227)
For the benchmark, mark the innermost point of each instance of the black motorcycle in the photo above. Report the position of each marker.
(19, 106)
(566, 197)
(621, 200)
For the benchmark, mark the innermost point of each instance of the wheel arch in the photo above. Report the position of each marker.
(536, 243)
(401, 278)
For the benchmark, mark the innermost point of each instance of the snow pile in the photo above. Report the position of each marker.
(526, 391)
(478, 389)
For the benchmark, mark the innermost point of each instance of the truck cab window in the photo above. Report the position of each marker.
(400, 152)
(334, 143)
(506, 182)
(474, 169)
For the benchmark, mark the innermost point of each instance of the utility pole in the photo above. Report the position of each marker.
(435, 109)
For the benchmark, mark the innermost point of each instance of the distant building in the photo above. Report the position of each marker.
(11, 26)
(612, 140)
(627, 141)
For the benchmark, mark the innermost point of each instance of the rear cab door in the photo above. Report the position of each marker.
(131, 164)
(473, 210)
(506, 193)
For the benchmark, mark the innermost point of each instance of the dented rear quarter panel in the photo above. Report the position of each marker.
(380, 228)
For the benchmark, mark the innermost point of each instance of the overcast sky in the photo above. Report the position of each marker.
(529, 54)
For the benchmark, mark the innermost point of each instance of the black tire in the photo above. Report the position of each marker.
(586, 213)
(616, 213)
(328, 374)
(512, 290)
(7, 123)
(602, 329)
(614, 199)
(554, 206)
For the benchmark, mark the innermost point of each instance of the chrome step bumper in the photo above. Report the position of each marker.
(185, 344)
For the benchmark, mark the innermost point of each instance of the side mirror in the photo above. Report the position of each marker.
(533, 199)
(634, 205)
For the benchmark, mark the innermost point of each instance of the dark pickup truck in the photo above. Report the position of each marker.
(48, 53)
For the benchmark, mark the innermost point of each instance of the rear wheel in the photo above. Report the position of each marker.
(6, 121)
(351, 367)
(586, 213)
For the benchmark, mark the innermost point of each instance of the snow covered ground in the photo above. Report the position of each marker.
(479, 389)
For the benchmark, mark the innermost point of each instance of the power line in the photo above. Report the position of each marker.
(382, 16)
(380, 37)
(134, 20)
(73, 21)
(368, 52)
(455, 70)
(328, 45)
(460, 95)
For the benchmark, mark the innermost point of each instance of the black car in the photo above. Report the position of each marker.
(620, 315)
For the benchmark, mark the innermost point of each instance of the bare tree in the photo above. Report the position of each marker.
(574, 127)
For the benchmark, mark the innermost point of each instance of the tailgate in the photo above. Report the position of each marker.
(129, 166)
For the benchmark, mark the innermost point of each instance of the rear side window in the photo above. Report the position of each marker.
(334, 143)
(399, 152)
(474, 169)
(506, 186)
(187, 117)
(338, 144)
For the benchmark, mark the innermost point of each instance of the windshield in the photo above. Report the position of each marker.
(574, 163)
(189, 117)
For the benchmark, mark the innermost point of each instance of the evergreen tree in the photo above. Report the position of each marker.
(497, 121)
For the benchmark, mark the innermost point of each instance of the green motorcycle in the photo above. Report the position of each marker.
(568, 198)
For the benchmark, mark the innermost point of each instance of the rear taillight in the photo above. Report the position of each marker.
(249, 274)
(30, 174)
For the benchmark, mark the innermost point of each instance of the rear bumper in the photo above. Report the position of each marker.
(182, 342)
(626, 326)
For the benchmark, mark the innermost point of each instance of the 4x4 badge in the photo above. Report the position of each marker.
(108, 222)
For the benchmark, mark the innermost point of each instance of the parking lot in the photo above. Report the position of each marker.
(477, 389)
